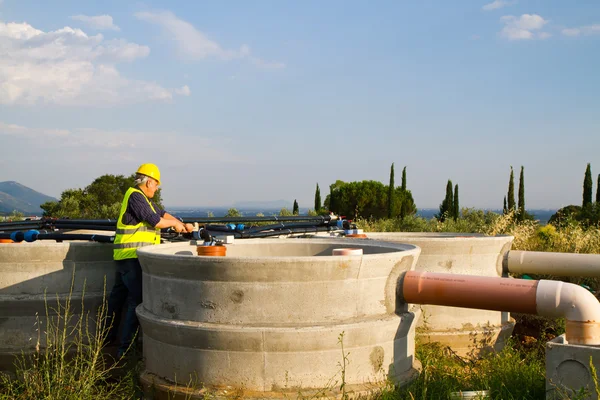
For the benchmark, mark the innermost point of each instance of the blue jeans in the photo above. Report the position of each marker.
(126, 291)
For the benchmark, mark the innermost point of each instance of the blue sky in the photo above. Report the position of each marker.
(261, 100)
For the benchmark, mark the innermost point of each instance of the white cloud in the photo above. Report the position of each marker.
(184, 91)
(69, 67)
(583, 30)
(497, 4)
(74, 148)
(98, 22)
(525, 27)
(193, 44)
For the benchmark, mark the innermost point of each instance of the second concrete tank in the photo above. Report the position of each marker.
(464, 330)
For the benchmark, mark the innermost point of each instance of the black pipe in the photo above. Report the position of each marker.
(33, 236)
(111, 222)
(257, 219)
(82, 226)
(290, 231)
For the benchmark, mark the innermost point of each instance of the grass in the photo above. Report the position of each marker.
(510, 374)
(69, 361)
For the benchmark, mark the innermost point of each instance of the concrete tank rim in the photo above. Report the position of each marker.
(437, 237)
(397, 249)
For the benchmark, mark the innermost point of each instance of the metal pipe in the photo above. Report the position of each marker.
(558, 264)
(546, 298)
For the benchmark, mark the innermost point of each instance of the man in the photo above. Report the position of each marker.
(139, 224)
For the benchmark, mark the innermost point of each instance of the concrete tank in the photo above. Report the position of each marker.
(265, 321)
(464, 330)
(30, 273)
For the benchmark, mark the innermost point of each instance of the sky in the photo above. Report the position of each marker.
(262, 100)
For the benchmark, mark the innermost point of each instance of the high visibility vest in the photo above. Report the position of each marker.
(129, 238)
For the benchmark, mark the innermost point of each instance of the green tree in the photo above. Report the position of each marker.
(296, 209)
(233, 212)
(284, 212)
(504, 208)
(447, 206)
(511, 190)
(521, 215)
(391, 193)
(598, 190)
(318, 199)
(587, 187)
(367, 199)
(99, 200)
(456, 213)
(404, 178)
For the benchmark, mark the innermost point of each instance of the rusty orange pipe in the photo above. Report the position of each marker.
(547, 298)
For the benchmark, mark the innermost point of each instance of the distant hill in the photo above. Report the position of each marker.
(16, 197)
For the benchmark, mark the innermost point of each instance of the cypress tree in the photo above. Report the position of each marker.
(447, 206)
(598, 190)
(456, 207)
(391, 192)
(504, 209)
(587, 186)
(296, 209)
(404, 179)
(521, 215)
(317, 199)
(511, 190)
(449, 199)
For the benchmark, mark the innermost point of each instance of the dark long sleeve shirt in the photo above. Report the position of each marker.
(139, 210)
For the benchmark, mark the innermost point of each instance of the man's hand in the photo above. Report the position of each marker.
(180, 227)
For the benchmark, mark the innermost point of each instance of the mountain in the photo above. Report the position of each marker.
(16, 197)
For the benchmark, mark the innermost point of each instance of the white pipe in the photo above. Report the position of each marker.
(547, 298)
(558, 264)
(577, 305)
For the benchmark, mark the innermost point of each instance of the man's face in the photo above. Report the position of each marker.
(152, 186)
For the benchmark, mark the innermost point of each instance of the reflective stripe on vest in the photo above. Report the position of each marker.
(128, 238)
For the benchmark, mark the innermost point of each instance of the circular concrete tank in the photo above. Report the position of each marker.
(464, 330)
(32, 275)
(266, 320)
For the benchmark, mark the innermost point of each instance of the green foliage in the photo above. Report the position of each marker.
(598, 190)
(404, 179)
(367, 199)
(511, 190)
(565, 215)
(504, 208)
(587, 216)
(447, 206)
(318, 199)
(521, 214)
(99, 200)
(587, 187)
(284, 212)
(233, 212)
(471, 221)
(296, 209)
(15, 216)
(509, 374)
(391, 186)
(69, 362)
(455, 204)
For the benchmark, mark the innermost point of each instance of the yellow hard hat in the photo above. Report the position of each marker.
(150, 170)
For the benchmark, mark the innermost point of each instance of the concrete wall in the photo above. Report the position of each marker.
(568, 369)
(32, 275)
(458, 253)
(267, 317)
